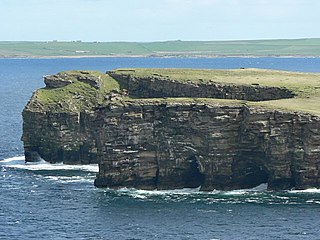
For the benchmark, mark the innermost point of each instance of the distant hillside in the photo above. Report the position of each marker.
(294, 47)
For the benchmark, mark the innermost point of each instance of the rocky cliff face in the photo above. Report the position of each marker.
(59, 120)
(177, 143)
(167, 146)
(59, 137)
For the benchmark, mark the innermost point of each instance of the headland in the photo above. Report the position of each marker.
(177, 128)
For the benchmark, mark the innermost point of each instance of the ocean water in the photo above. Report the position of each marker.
(44, 201)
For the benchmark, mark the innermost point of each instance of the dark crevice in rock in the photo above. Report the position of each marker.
(193, 175)
(32, 155)
(156, 179)
(250, 171)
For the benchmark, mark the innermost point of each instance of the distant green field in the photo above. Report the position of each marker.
(295, 47)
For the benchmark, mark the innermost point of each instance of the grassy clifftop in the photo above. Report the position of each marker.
(306, 86)
(292, 80)
(77, 90)
(78, 95)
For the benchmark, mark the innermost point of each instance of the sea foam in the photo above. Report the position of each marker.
(18, 162)
(309, 190)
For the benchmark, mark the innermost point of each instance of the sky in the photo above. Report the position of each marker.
(158, 20)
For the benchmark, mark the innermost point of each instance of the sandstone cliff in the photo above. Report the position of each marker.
(169, 128)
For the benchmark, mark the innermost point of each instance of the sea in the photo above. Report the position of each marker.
(58, 201)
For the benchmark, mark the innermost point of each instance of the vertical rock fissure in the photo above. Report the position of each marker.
(193, 176)
(158, 167)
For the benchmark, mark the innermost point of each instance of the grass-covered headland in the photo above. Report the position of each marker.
(293, 47)
(77, 90)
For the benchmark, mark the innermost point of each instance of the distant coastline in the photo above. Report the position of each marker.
(170, 49)
(158, 56)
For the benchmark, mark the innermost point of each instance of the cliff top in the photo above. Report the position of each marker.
(305, 86)
(73, 91)
(85, 90)
(300, 83)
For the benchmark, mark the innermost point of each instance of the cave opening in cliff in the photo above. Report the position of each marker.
(256, 175)
(193, 176)
(250, 173)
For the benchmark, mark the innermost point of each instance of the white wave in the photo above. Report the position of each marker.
(235, 192)
(19, 163)
(139, 192)
(145, 194)
(183, 191)
(260, 188)
(13, 159)
(56, 166)
(66, 179)
(309, 190)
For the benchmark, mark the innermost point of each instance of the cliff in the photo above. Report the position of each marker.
(58, 121)
(171, 128)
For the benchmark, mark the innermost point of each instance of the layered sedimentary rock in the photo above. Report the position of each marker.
(59, 120)
(175, 143)
(168, 146)
(60, 137)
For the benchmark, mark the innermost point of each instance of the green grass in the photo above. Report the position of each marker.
(295, 47)
(306, 86)
(78, 96)
(305, 105)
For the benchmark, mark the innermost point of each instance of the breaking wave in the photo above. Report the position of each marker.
(256, 195)
(309, 190)
(192, 191)
(44, 171)
(19, 163)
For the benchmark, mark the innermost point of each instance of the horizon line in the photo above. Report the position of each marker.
(173, 40)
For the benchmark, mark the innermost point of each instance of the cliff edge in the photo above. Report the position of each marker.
(177, 128)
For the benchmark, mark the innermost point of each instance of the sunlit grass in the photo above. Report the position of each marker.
(77, 96)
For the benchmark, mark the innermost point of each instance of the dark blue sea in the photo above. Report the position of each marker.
(43, 201)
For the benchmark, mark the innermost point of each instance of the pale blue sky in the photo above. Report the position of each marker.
(148, 20)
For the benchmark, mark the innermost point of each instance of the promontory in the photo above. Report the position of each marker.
(180, 128)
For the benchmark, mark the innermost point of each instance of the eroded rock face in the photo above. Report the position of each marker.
(215, 147)
(63, 79)
(160, 86)
(89, 79)
(60, 137)
(57, 81)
